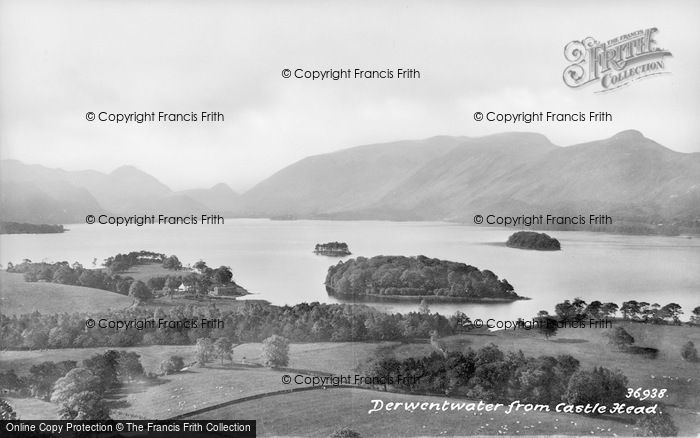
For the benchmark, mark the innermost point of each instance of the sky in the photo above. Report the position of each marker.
(60, 60)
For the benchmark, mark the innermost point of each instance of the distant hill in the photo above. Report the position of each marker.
(345, 183)
(37, 194)
(220, 198)
(627, 176)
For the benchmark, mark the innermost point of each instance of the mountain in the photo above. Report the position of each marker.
(37, 194)
(220, 198)
(627, 176)
(344, 182)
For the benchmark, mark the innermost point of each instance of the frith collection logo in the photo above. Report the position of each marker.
(615, 63)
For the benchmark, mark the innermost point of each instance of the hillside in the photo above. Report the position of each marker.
(19, 297)
(633, 179)
(627, 176)
(347, 181)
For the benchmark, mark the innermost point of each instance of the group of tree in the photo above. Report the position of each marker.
(24, 228)
(78, 390)
(337, 249)
(491, 374)
(533, 240)
(207, 350)
(249, 322)
(640, 311)
(387, 276)
(122, 262)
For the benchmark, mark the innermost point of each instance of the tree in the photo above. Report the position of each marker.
(80, 396)
(6, 411)
(204, 351)
(546, 325)
(172, 283)
(172, 262)
(172, 365)
(129, 365)
(64, 275)
(620, 338)
(104, 368)
(630, 309)
(597, 386)
(671, 311)
(43, 376)
(689, 352)
(222, 275)
(695, 319)
(595, 309)
(202, 267)
(276, 351)
(424, 307)
(608, 310)
(223, 348)
(140, 292)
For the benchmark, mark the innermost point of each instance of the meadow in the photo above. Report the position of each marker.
(19, 297)
(291, 415)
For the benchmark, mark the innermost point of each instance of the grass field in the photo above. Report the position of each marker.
(150, 270)
(33, 409)
(320, 412)
(19, 297)
(328, 357)
(198, 388)
(338, 358)
(201, 387)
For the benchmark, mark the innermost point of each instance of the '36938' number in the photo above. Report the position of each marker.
(643, 394)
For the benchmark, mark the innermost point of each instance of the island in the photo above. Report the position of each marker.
(533, 240)
(400, 278)
(332, 249)
(24, 228)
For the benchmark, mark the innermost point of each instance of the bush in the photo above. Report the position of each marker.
(689, 352)
(345, 432)
(620, 338)
(648, 352)
(660, 424)
(276, 351)
(172, 365)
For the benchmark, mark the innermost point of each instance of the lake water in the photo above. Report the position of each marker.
(274, 259)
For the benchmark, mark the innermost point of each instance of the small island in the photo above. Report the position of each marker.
(332, 249)
(399, 278)
(24, 228)
(533, 240)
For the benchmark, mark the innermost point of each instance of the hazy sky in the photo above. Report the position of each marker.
(59, 60)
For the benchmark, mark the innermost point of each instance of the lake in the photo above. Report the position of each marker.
(274, 259)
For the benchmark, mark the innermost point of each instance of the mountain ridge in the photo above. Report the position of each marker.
(445, 178)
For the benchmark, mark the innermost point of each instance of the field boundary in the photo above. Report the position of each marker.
(259, 396)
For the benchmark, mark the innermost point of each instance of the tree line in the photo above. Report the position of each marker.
(108, 279)
(639, 311)
(24, 228)
(249, 322)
